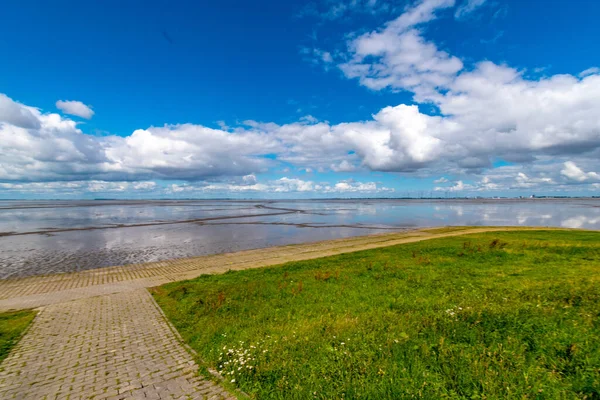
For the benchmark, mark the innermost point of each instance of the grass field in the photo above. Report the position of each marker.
(12, 325)
(486, 316)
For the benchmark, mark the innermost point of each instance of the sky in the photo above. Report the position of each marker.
(299, 99)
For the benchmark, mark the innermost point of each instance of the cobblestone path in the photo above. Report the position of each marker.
(108, 347)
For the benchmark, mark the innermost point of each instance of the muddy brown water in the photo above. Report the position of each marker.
(41, 237)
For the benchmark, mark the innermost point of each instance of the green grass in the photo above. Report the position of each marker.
(12, 326)
(499, 315)
(447, 229)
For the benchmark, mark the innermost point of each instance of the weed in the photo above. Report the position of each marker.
(12, 325)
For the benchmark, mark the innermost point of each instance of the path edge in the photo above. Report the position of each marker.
(215, 374)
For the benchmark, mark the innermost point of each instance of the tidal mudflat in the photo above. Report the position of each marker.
(42, 237)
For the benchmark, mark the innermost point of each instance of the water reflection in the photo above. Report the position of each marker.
(581, 221)
(91, 234)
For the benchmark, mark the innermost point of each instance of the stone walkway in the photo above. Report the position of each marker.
(109, 347)
(99, 333)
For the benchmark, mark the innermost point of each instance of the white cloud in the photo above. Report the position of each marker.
(467, 7)
(441, 180)
(370, 187)
(17, 114)
(326, 57)
(343, 166)
(73, 107)
(548, 177)
(572, 171)
(309, 119)
(589, 71)
(526, 182)
(144, 185)
(77, 187)
(398, 57)
(317, 57)
(458, 186)
(485, 111)
(190, 152)
(38, 146)
(293, 185)
(284, 185)
(421, 11)
(249, 179)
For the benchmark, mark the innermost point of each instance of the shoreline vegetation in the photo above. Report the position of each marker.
(12, 326)
(512, 314)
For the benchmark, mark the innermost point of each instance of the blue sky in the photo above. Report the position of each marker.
(338, 98)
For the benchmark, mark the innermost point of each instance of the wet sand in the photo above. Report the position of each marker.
(67, 236)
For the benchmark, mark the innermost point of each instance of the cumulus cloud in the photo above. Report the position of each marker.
(484, 111)
(249, 179)
(368, 187)
(17, 115)
(189, 152)
(524, 181)
(343, 166)
(489, 112)
(39, 146)
(398, 57)
(572, 171)
(73, 107)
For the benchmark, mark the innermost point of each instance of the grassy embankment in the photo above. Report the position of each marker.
(496, 315)
(12, 326)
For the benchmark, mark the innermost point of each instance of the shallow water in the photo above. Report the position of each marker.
(64, 236)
